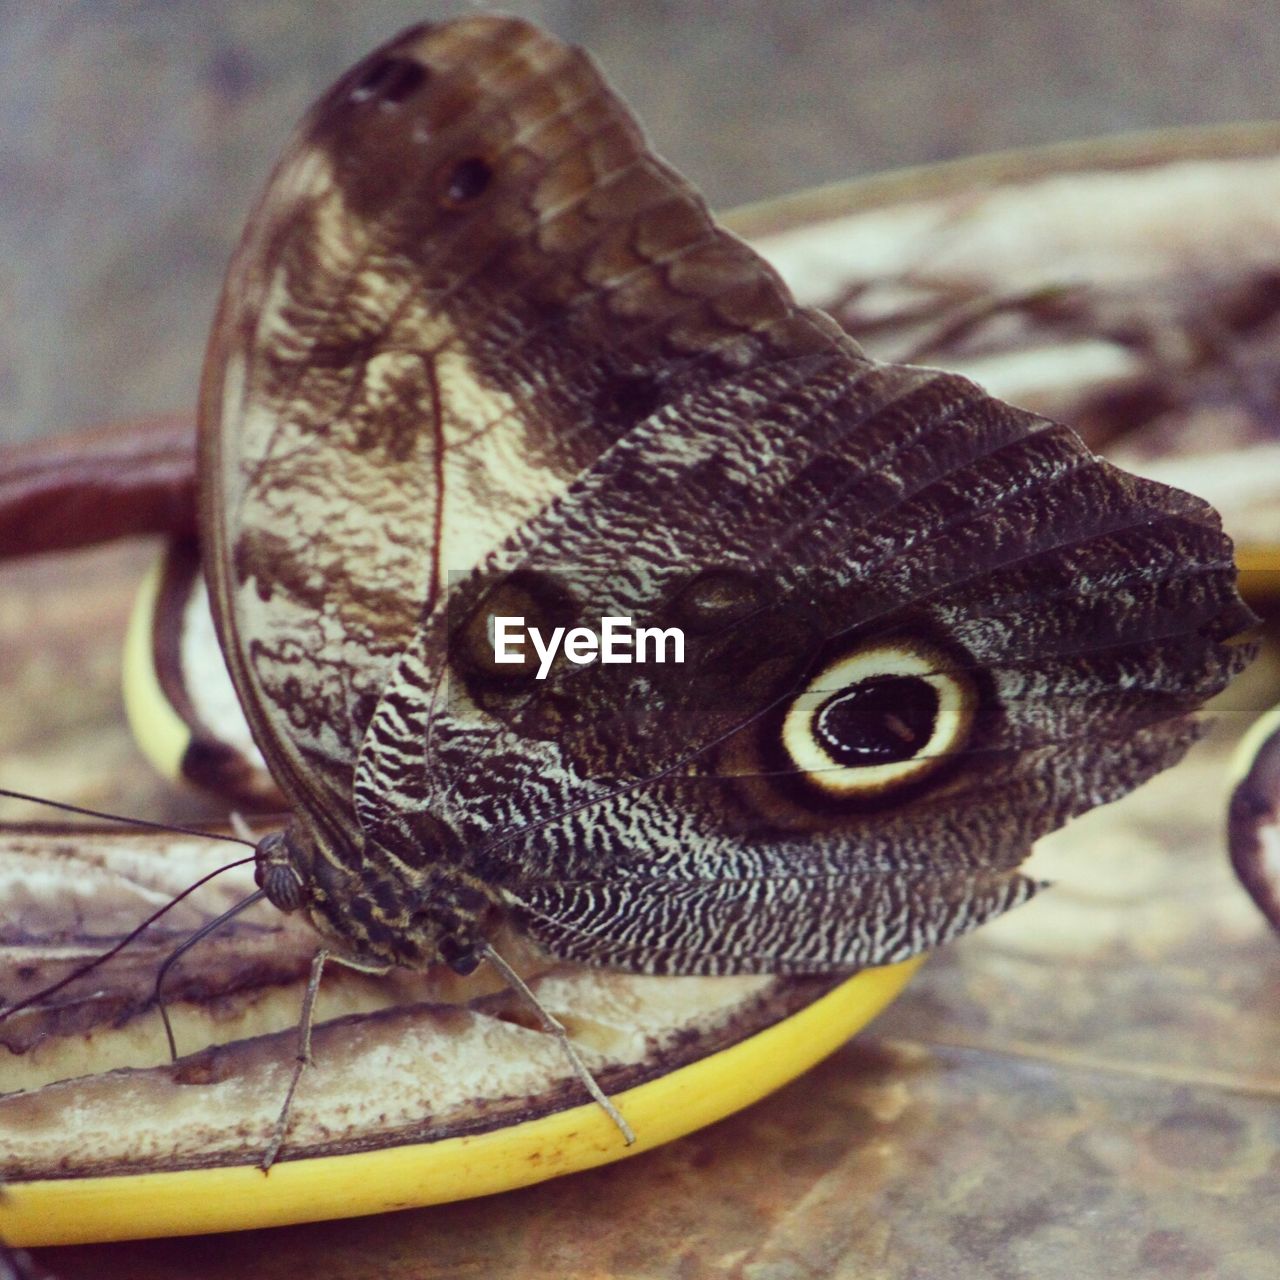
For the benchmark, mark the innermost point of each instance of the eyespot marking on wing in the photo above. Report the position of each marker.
(539, 599)
(467, 180)
(882, 717)
(392, 81)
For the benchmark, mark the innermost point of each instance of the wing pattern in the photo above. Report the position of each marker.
(481, 352)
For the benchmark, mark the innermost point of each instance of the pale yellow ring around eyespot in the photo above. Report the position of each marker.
(189, 1202)
(895, 658)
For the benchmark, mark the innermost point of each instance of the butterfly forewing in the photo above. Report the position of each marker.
(466, 277)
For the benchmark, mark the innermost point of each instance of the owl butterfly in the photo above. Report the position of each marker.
(480, 353)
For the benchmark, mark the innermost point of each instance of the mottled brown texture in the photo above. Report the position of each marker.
(397, 377)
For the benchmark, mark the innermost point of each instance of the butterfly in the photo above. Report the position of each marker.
(481, 354)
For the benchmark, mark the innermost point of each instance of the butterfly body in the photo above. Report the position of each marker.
(376, 909)
(481, 354)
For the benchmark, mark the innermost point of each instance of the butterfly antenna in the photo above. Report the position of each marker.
(181, 949)
(89, 967)
(555, 1027)
(131, 822)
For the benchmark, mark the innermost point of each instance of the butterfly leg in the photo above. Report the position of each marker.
(555, 1027)
(303, 1058)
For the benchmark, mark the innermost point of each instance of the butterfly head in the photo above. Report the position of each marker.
(276, 872)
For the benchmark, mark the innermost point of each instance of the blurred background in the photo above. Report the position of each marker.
(134, 136)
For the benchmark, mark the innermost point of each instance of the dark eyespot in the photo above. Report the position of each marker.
(715, 599)
(537, 598)
(879, 721)
(469, 180)
(390, 80)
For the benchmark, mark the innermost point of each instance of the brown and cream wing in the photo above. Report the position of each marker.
(467, 277)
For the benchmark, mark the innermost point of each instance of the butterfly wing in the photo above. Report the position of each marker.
(476, 323)
(1040, 624)
(467, 277)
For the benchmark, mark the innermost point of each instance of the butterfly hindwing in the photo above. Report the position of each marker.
(1079, 614)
